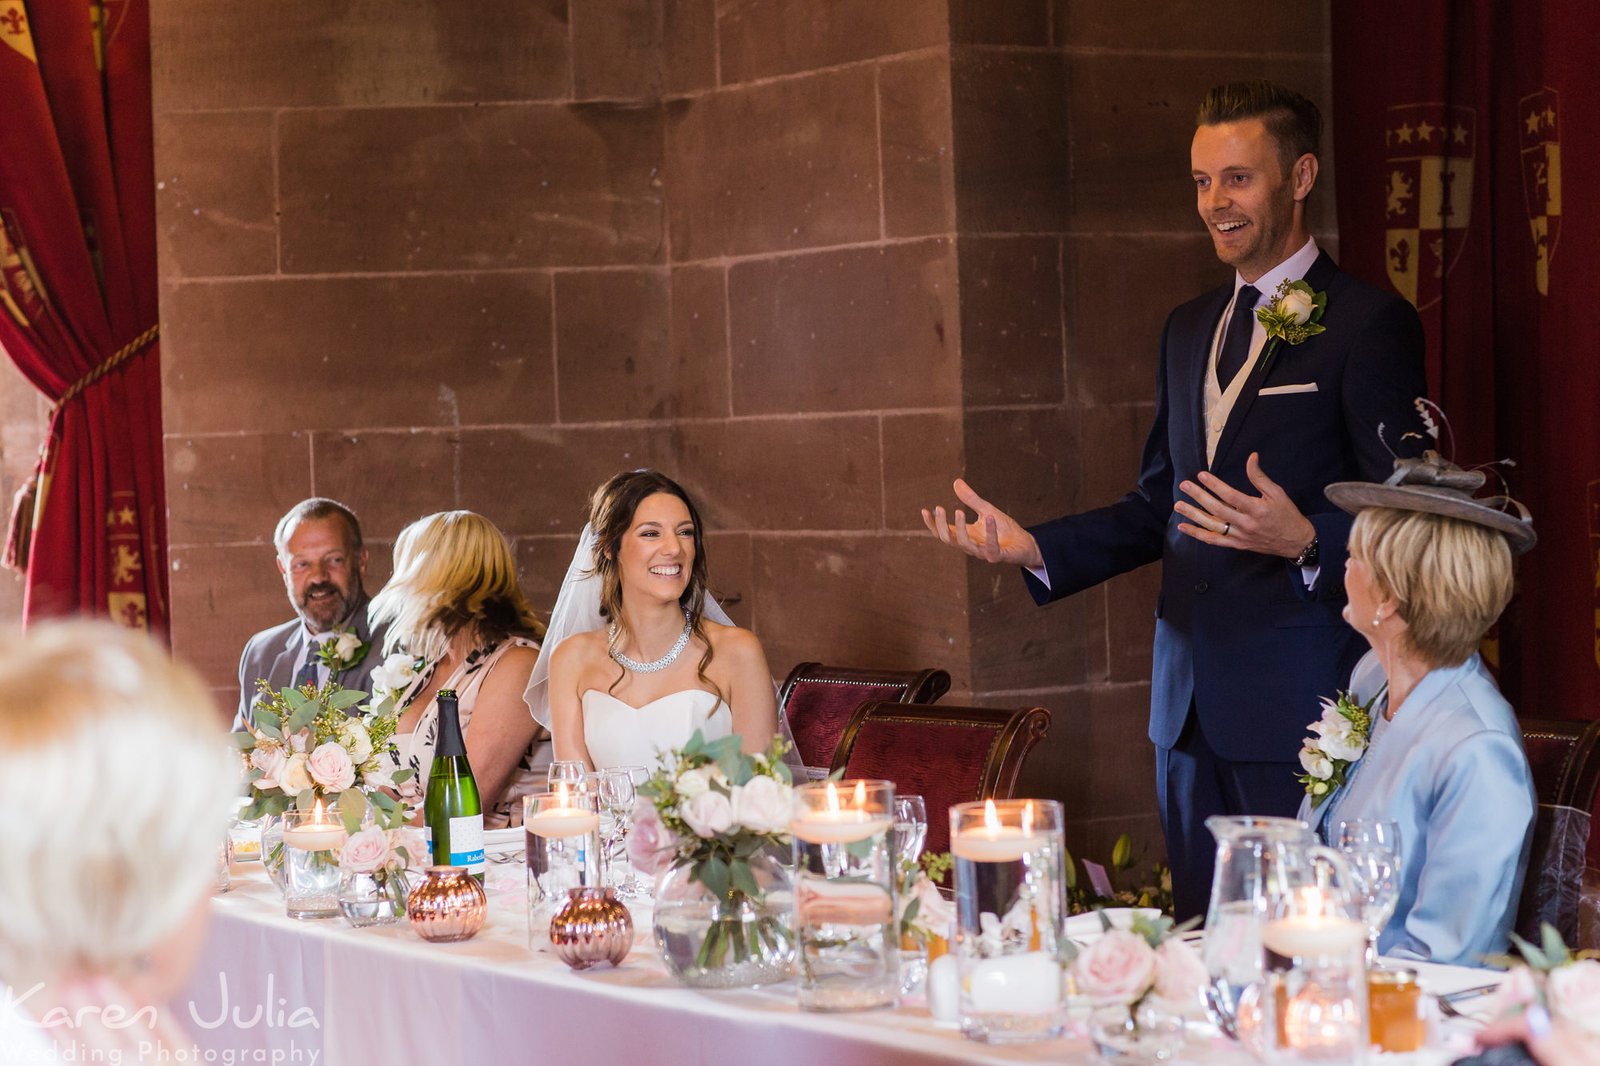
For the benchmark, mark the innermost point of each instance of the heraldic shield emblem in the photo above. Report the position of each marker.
(1541, 177)
(1428, 199)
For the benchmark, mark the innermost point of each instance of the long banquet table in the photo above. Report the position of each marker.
(271, 989)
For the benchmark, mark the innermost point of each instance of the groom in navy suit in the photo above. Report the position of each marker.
(1248, 626)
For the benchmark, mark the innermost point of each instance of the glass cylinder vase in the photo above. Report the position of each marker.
(562, 853)
(311, 842)
(740, 940)
(1010, 884)
(376, 897)
(846, 932)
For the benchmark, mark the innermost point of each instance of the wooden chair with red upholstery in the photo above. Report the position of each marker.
(946, 755)
(818, 701)
(1565, 759)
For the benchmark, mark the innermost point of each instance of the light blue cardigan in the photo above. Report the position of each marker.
(1450, 770)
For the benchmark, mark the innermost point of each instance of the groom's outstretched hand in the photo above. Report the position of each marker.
(1269, 523)
(992, 535)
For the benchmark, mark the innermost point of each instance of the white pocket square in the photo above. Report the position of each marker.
(1285, 390)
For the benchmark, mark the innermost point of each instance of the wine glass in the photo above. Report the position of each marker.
(616, 790)
(566, 771)
(1372, 847)
(910, 827)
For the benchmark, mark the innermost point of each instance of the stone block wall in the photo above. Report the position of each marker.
(813, 257)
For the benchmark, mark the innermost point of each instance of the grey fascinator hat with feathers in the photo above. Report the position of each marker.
(1434, 484)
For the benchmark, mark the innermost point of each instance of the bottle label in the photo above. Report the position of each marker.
(466, 842)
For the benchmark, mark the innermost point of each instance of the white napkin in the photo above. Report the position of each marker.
(1087, 926)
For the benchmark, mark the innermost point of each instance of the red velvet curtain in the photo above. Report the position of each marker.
(78, 266)
(1457, 128)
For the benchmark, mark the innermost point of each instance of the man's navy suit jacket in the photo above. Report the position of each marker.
(1238, 634)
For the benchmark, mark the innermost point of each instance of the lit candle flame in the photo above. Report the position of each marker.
(833, 798)
(991, 819)
(861, 794)
(318, 815)
(561, 800)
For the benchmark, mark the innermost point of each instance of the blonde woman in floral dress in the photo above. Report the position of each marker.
(455, 609)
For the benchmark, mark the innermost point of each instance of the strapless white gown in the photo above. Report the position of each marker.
(620, 734)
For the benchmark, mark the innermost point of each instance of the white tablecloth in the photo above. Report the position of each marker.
(271, 989)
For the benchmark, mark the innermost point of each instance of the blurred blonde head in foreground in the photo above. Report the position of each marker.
(115, 782)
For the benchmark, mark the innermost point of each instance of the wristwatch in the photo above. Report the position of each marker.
(1308, 558)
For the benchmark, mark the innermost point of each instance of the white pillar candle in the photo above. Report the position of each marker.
(559, 822)
(1027, 983)
(1305, 935)
(314, 836)
(837, 827)
(998, 843)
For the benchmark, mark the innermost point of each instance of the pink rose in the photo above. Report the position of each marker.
(331, 767)
(409, 839)
(708, 814)
(365, 852)
(651, 845)
(1118, 967)
(269, 760)
(1575, 994)
(1180, 975)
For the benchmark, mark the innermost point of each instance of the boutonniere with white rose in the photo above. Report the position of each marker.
(1292, 316)
(1339, 738)
(343, 650)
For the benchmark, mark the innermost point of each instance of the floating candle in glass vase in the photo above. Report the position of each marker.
(844, 895)
(1010, 880)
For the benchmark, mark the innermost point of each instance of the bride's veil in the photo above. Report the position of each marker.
(577, 610)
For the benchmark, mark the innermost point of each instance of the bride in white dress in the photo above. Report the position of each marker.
(638, 656)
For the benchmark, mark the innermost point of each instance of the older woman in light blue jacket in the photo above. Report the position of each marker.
(1429, 572)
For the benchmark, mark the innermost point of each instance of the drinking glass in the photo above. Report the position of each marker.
(1372, 847)
(616, 791)
(570, 771)
(910, 827)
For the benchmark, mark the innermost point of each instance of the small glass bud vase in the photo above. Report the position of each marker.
(373, 897)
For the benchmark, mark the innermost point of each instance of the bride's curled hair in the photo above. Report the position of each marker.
(611, 512)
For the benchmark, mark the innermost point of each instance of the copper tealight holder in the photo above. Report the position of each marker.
(448, 905)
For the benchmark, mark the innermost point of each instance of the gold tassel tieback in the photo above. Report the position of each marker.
(25, 505)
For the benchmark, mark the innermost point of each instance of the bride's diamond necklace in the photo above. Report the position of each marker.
(655, 664)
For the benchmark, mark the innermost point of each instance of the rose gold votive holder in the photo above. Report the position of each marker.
(448, 905)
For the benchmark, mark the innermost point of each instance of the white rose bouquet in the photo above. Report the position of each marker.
(1337, 740)
(714, 808)
(305, 745)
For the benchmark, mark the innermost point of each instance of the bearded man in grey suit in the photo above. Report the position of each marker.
(324, 566)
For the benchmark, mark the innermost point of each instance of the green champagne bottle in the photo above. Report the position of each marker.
(452, 809)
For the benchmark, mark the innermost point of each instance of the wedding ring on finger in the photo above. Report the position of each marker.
(1226, 526)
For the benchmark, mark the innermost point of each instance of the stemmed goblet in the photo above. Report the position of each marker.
(566, 771)
(1372, 847)
(910, 827)
(617, 793)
